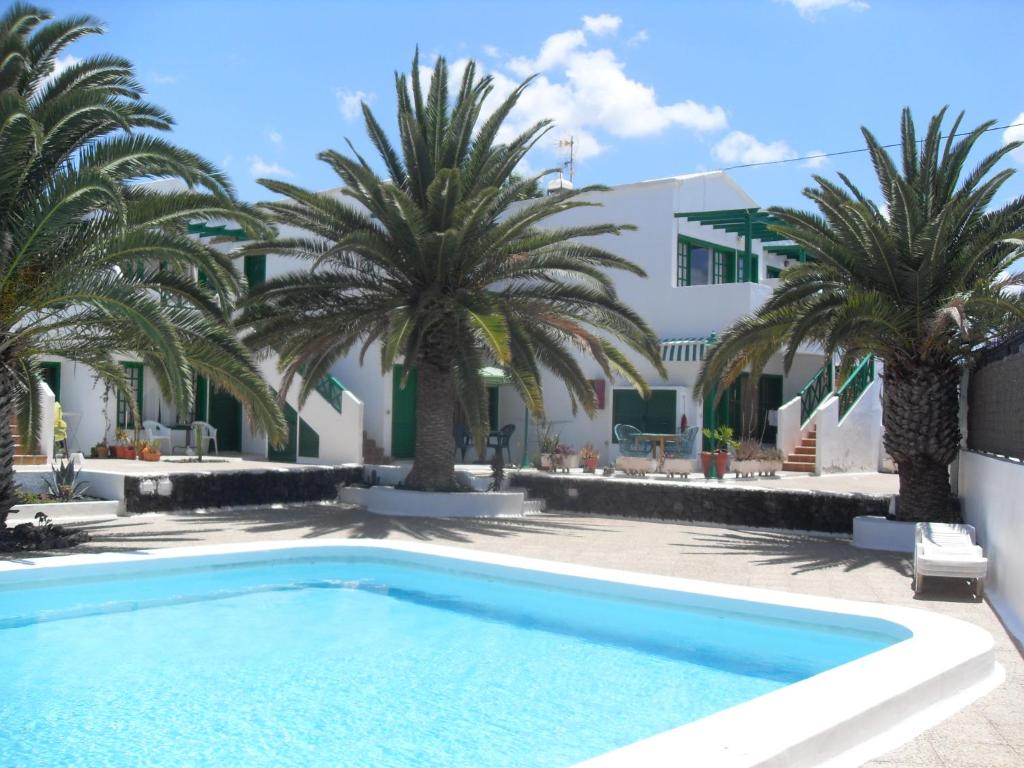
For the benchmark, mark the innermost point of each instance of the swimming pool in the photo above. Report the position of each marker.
(386, 655)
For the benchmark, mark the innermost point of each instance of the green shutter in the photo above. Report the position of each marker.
(309, 441)
(256, 270)
(628, 407)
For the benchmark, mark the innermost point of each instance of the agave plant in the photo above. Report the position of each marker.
(922, 283)
(95, 266)
(63, 483)
(442, 262)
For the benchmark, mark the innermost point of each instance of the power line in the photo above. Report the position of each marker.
(854, 151)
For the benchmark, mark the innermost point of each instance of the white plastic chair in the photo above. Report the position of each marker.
(158, 432)
(209, 434)
(949, 551)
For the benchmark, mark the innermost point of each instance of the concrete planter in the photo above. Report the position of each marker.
(682, 467)
(385, 500)
(636, 465)
(877, 532)
(755, 467)
(72, 510)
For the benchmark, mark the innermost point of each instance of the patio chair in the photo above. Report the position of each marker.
(208, 435)
(628, 444)
(463, 439)
(948, 550)
(678, 459)
(155, 431)
(501, 440)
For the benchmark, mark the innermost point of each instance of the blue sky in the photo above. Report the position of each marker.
(647, 89)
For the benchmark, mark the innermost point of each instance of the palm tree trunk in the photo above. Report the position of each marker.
(433, 469)
(7, 412)
(920, 412)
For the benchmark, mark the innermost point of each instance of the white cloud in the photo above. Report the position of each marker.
(605, 24)
(640, 36)
(810, 9)
(350, 102)
(814, 159)
(555, 51)
(59, 65)
(275, 137)
(259, 167)
(492, 51)
(741, 148)
(588, 95)
(161, 79)
(1015, 133)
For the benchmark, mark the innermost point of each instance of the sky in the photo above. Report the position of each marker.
(644, 89)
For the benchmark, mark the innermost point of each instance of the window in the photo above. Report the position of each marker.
(256, 270)
(700, 265)
(774, 273)
(682, 263)
(724, 268)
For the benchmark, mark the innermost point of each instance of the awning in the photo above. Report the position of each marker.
(493, 376)
(752, 222)
(685, 350)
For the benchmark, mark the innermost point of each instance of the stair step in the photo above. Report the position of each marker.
(805, 450)
(798, 466)
(28, 458)
(534, 506)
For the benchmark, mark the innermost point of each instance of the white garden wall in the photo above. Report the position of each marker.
(850, 445)
(992, 499)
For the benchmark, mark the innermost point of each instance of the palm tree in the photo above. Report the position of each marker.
(922, 284)
(441, 266)
(94, 265)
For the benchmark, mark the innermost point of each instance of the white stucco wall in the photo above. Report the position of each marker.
(850, 445)
(992, 499)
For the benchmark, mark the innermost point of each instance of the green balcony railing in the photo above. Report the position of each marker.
(814, 392)
(860, 378)
(332, 391)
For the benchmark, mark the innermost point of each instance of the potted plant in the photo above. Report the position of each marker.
(151, 450)
(589, 457)
(721, 441)
(123, 449)
(548, 447)
(747, 460)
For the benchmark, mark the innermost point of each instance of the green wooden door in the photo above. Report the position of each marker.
(654, 414)
(225, 415)
(769, 398)
(403, 414)
(125, 419)
(51, 375)
(287, 451)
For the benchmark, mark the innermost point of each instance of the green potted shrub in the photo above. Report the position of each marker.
(721, 441)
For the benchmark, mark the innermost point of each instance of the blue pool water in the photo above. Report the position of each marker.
(361, 660)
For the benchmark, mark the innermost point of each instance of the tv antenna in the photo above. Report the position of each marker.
(570, 164)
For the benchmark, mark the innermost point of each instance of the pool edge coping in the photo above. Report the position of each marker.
(914, 684)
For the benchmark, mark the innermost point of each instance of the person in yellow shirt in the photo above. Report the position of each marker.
(60, 428)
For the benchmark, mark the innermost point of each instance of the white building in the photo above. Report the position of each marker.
(710, 259)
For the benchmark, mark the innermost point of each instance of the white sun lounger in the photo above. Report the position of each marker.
(949, 551)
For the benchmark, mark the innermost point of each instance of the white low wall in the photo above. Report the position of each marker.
(384, 500)
(47, 407)
(788, 433)
(850, 445)
(992, 499)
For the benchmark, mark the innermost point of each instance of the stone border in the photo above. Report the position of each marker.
(385, 500)
(846, 715)
(223, 488)
(73, 510)
(726, 504)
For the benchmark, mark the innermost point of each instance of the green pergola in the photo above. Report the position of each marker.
(750, 223)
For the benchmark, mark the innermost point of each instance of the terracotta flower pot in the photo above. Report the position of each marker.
(590, 465)
(705, 462)
(102, 451)
(148, 455)
(721, 463)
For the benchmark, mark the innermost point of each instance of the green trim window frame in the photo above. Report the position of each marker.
(774, 273)
(125, 419)
(682, 263)
(255, 270)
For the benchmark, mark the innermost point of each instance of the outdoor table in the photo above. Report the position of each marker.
(658, 440)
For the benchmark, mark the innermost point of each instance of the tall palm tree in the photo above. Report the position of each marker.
(94, 265)
(439, 264)
(922, 284)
